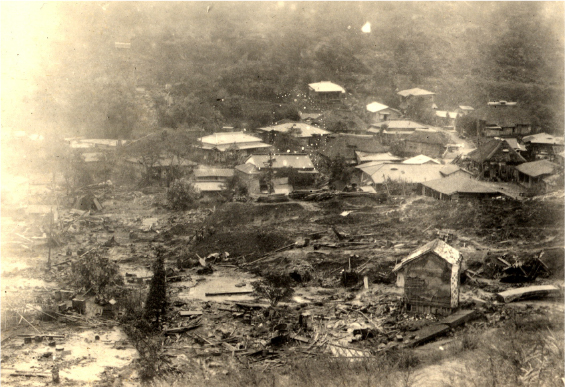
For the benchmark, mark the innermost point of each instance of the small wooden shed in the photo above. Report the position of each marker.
(430, 278)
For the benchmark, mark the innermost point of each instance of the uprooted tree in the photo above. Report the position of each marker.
(274, 287)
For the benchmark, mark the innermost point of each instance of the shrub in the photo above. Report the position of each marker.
(182, 195)
(94, 272)
(274, 287)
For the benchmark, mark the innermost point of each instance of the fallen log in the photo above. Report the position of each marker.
(174, 331)
(529, 292)
(459, 318)
(227, 294)
(427, 333)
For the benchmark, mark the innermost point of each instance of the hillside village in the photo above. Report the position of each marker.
(366, 187)
(340, 241)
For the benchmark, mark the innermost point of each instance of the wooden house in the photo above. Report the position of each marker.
(494, 160)
(379, 112)
(430, 278)
(250, 176)
(539, 174)
(432, 144)
(411, 96)
(326, 92)
(543, 146)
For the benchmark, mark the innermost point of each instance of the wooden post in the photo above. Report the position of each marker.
(49, 239)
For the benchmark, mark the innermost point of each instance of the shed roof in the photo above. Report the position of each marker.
(543, 138)
(364, 157)
(209, 186)
(487, 150)
(228, 138)
(92, 157)
(248, 169)
(538, 168)
(325, 87)
(459, 184)
(468, 108)
(439, 138)
(205, 171)
(420, 159)
(379, 173)
(374, 107)
(446, 114)
(298, 129)
(416, 92)
(437, 246)
(282, 160)
(398, 125)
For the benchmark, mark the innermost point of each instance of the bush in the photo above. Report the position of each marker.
(274, 287)
(94, 272)
(182, 195)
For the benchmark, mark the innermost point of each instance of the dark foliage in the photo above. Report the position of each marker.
(156, 304)
(274, 288)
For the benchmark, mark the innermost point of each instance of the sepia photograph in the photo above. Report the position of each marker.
(282, 193)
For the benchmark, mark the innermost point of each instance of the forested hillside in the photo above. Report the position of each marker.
(248, 64)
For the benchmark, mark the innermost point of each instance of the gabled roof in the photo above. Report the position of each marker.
(282, 160)
(513, 142)
(439, 247)
(248, 169)
(374, 107)
(450, 169)
(420, 159)
(543, 138)
(298, 129)
(460, 184)
(408, 173)
(325, 87)
(416, 92)
(429, 138)
(538, 168)
(487, 150)
(346, 145)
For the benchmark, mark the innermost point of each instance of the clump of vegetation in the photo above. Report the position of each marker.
(274, 288)
(95, 272)
(235, 189)
(182, 195)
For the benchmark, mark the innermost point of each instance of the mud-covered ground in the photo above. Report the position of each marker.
(310, 242)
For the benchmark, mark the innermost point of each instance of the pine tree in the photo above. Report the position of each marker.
(155, 306)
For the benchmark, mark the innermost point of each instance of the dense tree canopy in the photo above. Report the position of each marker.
(204, 64)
